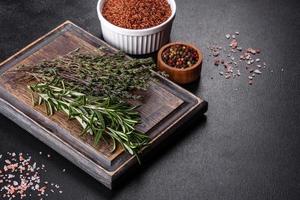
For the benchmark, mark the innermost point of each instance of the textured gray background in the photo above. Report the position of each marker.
(247, 146)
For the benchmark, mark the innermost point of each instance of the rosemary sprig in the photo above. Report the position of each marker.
(96, 115)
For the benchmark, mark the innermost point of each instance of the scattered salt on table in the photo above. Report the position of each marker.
(19, 176)
(231, 65)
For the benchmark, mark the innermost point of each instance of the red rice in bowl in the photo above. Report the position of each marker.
(136, 14)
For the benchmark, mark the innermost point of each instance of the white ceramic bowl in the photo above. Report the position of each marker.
(136, 41)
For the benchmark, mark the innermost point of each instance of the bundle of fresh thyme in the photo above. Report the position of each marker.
(93, 89)
(108, 75)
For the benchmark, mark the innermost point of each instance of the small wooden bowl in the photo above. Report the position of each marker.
(180, 76)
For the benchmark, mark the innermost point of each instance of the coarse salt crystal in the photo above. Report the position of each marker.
(234, 44)
(228, 76)
(10, 176)
(7, 162)
(247, 56)
(252, 51)
(257, 71)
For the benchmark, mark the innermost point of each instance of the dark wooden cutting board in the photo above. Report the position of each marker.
(165, 107)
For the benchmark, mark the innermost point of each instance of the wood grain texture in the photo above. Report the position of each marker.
(165, 107)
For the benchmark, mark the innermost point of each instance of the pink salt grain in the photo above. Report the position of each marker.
(234, 44)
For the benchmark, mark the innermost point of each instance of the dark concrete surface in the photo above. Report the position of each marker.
(248, 145)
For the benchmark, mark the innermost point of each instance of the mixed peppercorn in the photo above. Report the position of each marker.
(180, 56)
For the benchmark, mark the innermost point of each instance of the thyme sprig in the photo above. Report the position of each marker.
(108, 75)
(96, 115)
